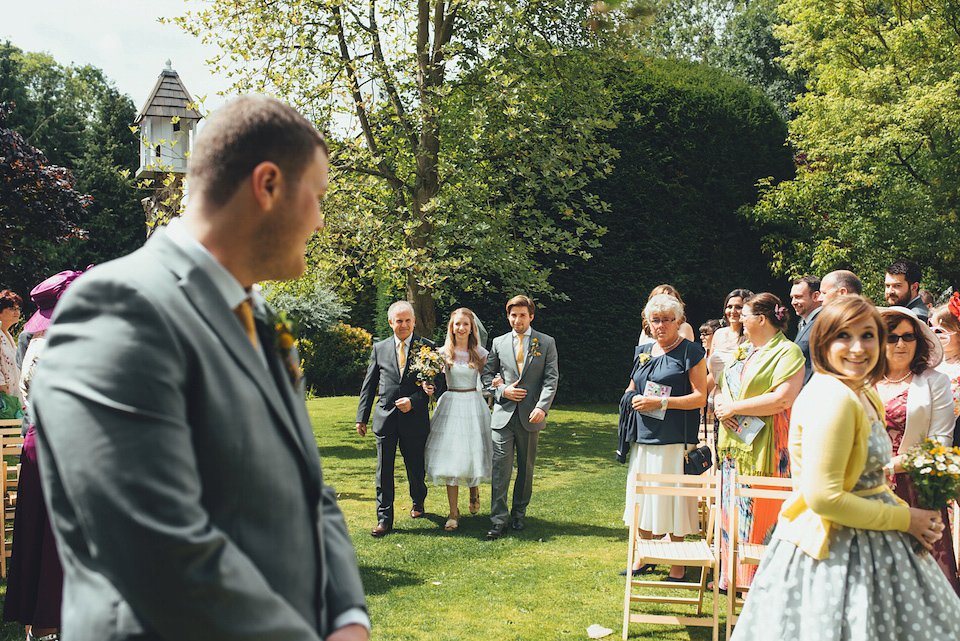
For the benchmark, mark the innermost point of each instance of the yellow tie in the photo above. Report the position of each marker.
(520, 353)
(244, 312)
(401, 357)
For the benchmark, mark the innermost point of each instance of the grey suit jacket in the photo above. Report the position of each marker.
(383, 379)
(540, 376)
(182, 476)
(803, 342)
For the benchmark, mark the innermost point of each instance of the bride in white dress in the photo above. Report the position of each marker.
(459, 450)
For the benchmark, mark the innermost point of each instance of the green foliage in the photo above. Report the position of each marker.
(334, 360)
(38, 205)
(80, 121)
(309, 304)
(693, 143)
(467, 132)
(879, 164)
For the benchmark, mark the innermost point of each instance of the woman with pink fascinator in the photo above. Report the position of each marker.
(35, 580)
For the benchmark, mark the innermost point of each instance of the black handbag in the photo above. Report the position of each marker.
(696, 461)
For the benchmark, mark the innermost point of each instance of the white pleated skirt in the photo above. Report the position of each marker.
(659, 514)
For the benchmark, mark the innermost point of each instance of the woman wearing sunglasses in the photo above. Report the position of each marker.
(918, 403)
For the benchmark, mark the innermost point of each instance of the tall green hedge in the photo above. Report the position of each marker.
(693, 143)
(334, 360)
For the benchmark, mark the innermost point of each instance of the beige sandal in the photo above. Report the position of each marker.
(474, 500)
(453, 522)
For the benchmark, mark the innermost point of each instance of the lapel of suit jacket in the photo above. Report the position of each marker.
(209, 304)
(508, 355)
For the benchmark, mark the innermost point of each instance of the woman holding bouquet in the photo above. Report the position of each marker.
(757, 390)
(841, 564)
(459, 449)
(918, 404)
(662, 404)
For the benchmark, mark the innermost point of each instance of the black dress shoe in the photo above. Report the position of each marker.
(383, 528)
(518, 524)
(496, 531)
(643, 569)
(416, 511)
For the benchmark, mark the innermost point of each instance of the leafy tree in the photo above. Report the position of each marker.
(693, 142)
(879, 166)
(437, 92)
(80, 121)
(38, 205)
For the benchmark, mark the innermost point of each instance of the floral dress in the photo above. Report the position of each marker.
(896, 411)
(871, 587)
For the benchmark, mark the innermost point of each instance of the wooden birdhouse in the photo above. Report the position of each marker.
(167, 123)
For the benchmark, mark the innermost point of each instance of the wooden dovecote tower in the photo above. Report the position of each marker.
(167, 123)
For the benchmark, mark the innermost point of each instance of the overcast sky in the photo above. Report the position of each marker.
(121, 37)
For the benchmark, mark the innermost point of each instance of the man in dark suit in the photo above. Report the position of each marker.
(805, 298)
(901, 287)
(401, 416)
(526, 360)
(177, 455)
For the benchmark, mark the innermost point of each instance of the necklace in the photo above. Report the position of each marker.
(899, 380)
(675, 343)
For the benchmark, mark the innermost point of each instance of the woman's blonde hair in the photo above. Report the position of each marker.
(473, 340)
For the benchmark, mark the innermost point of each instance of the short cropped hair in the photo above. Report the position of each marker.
(242, 134)
(663, 303)
(771, 307)
(711, 326)
(846, 279)
(909, 269)
(521, 301)
(926, 297)
(397, 306)
(9, 299)
(834, 318)
(813, 283)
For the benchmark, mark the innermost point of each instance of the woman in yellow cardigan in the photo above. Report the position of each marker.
(841, 564)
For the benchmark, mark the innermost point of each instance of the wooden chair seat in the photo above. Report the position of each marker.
(697, 553)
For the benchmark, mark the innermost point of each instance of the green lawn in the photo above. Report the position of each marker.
(551, 581)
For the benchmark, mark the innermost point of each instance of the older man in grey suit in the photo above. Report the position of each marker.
(177, 455)
(526, 360)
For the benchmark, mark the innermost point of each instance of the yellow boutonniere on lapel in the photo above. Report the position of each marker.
(284, 343)
(535, 347)
(643, 357)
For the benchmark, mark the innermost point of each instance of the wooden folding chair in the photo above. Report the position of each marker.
(745, 552)
(11, 445)
(700, 553)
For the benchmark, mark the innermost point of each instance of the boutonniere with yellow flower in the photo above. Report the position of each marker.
(643, 357)
(535, 347)
(284, 344)
(741, 352)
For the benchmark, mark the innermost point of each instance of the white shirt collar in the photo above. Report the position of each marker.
(397, 341)
(228, 286)
(526, 333)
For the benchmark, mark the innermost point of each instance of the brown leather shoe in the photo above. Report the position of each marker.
(417, 511)
(383, 528)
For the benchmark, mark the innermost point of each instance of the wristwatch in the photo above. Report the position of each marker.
(663, 403)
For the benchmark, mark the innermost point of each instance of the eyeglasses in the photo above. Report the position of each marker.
(661, 321)
(941, 331)
(908, 337)
(706, 334)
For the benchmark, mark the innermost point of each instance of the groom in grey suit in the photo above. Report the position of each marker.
(178, 460)
(526, 360)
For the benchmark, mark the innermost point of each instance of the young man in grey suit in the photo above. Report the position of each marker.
(401, 416)
(177, 455)
(526, 360)
(805, 299)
